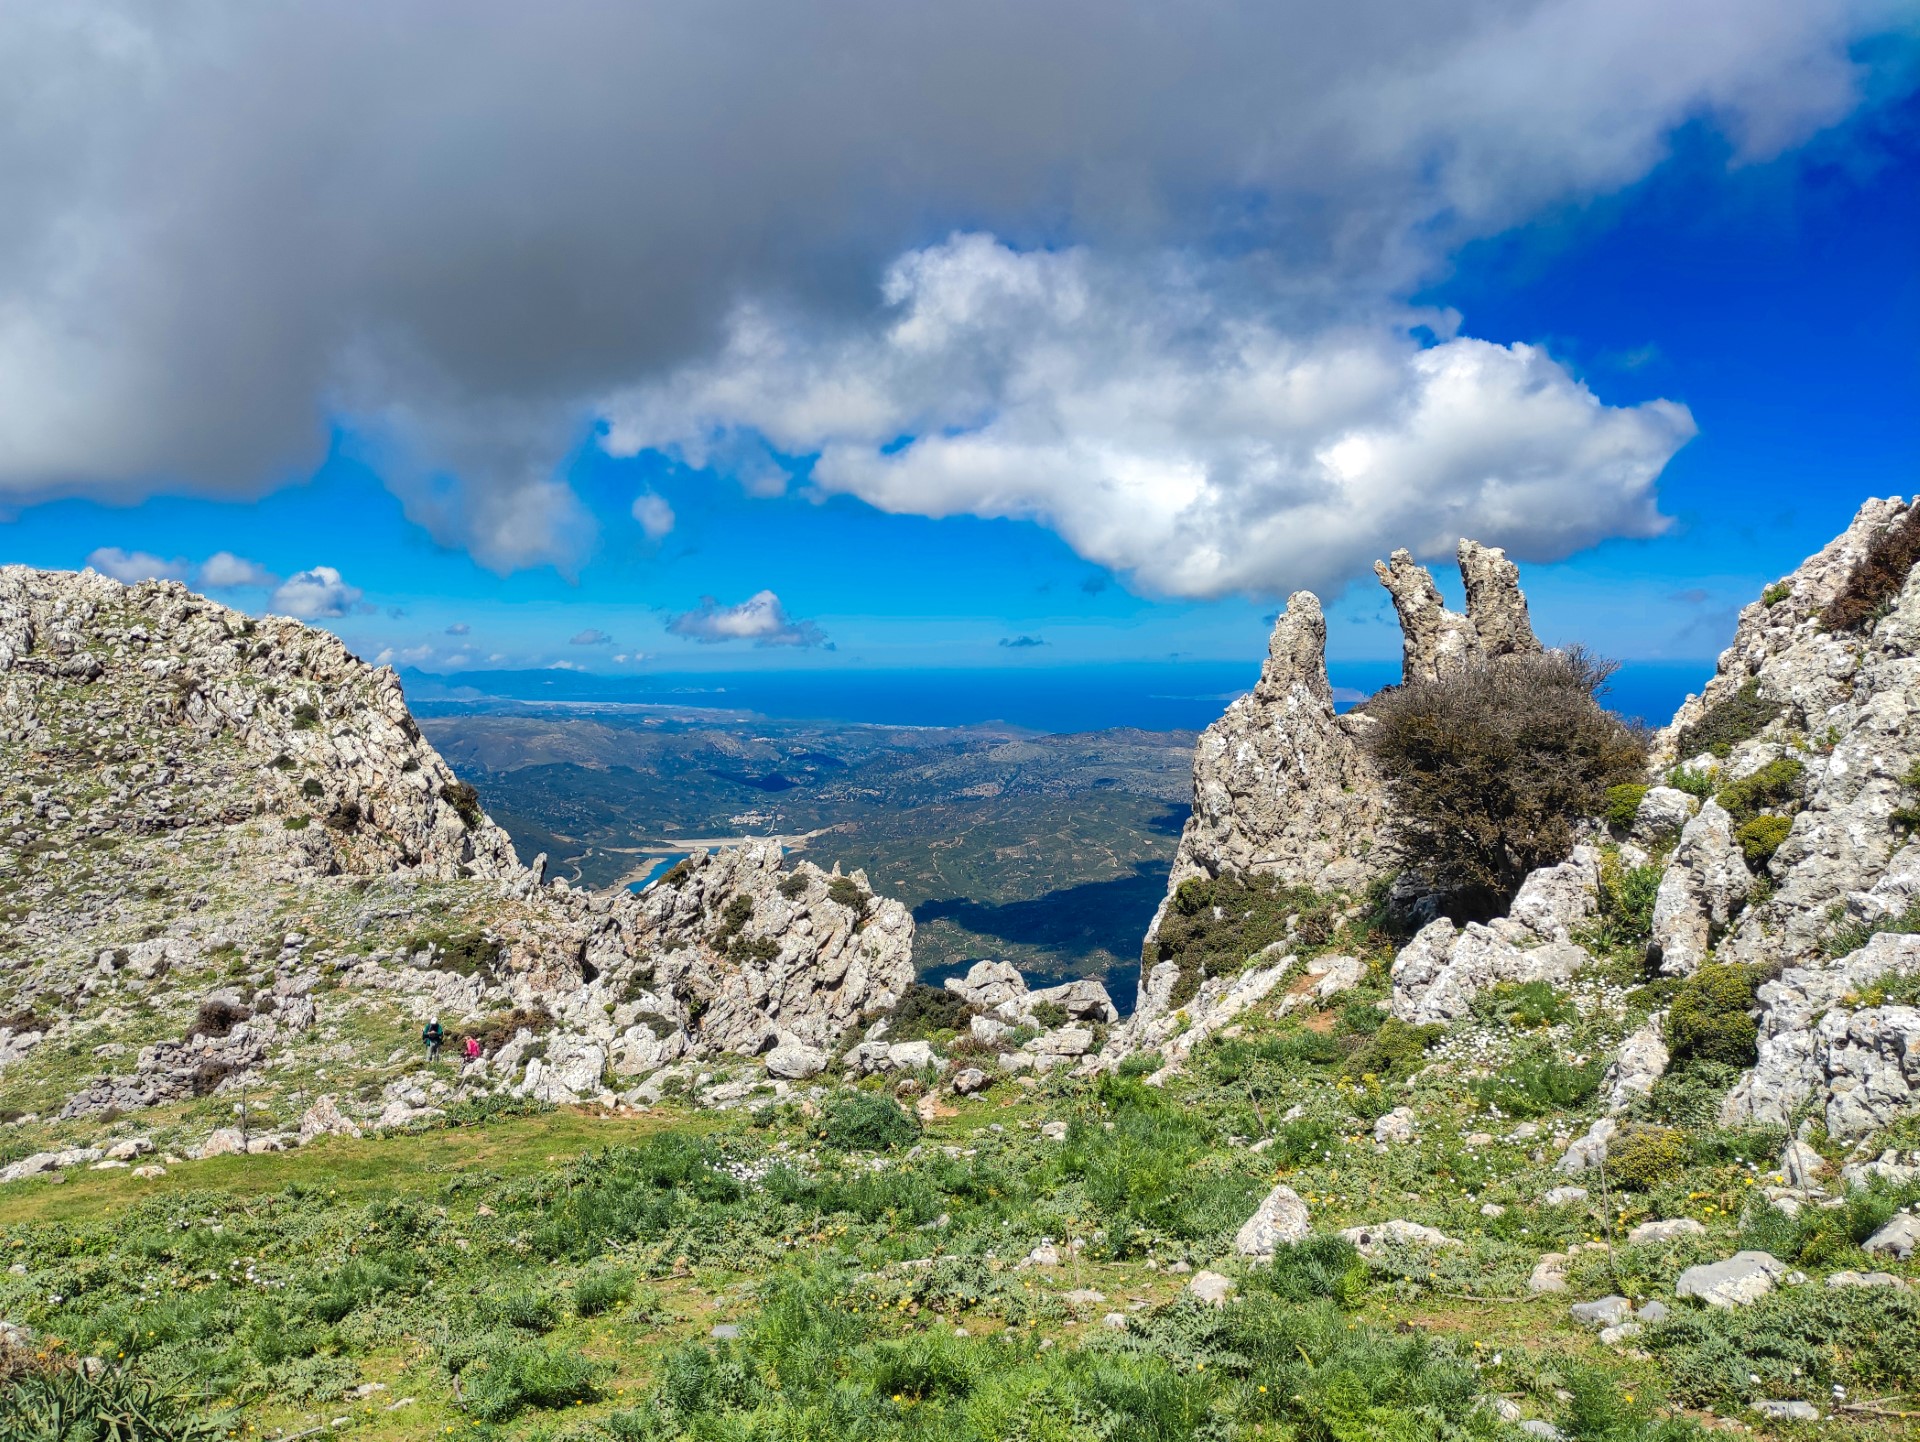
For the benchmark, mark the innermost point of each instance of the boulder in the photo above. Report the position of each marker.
(989, 985)
(796, 1061)
(1897, 1238)
(1587, 1153)
(970, 1080)
(1395, 1126)
(1554, 900)
(1641, 1061)
(1281, 1219)
(1741, 1280)
(1437, 975)
(1603, 1313)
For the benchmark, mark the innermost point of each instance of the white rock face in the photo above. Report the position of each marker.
(1281, 1220)
(1555, 899)
(796, 1061)
(1663, 813)
(1700, 891)
(1898, 1238)
(1670, 1230)
(1437, 975)
(1281, 785)
(1863, 1065)
(324, 1118)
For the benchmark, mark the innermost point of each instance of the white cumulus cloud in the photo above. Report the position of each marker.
(654, 515)
(760, 619)
(131, 566)
(1164, 427)
(223, 569)
(316, 594)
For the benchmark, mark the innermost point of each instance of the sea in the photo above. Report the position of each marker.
(1164, 696)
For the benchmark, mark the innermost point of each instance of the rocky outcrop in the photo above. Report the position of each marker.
(1701, 891)
(1859, 1064)
(203, 716)
(1282, 786)
(1436, 641)
(1437, 975)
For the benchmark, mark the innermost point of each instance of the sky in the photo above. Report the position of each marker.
(735, 335)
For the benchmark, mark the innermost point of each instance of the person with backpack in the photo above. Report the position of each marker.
(433, 1035)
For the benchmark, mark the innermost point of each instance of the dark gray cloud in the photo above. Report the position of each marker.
(1021, 643)
(590, 637)
(458, 226)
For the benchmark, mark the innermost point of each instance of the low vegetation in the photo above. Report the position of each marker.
(1870, 588)
(1729, 721)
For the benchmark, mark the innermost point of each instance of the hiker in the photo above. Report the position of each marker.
(472, 1049)
(433, 1036)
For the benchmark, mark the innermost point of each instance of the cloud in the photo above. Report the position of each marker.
(1020, 643)
(316, 594)
(244, 185)
(458, 628)
(654, 515)
(131, 566)
(1196, 444)
(223, 569)
(590, 637)
(760, 619)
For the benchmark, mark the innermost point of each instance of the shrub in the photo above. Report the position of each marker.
(925, 1011)
(217, 1018)
(1708, 1020)
(1313, 1268)
(306, 716)
(512, 1376)
(297, 823)
(465, 953)
(1689, 1096)
(465, 801)
(1740, 717)
(50, 1399)
(1492, 767)
(1761, 837)
(677, 873)
(793, 886)
(1877, 577)
(1641, 1158)
(1627, 895)
(1775, 784)
(1396, 1051)
(845, 891)
(1538, 1083)
(1693, 782)
(500, 1028)
(312, 787)
(863, 1121)
(1776, 593)
(1529, 1004)
(1623, 804)
(598, 1292)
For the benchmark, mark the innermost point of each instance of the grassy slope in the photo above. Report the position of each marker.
(280, 1283)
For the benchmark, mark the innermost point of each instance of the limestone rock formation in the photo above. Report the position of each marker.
(1701, 891)
(1435, 640)
(1281, 785)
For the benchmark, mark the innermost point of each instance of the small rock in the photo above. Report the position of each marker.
(1396, 1126)
(1211, 1288)
(1534, 1427)
(1603, 1313)
(148, 1171)
(969, 1081)
(1376, 1237)
(1801, 1165)
(1549, 1274)
(1655, 1312)
(1670, 1230)
(1788, 1411)
(725, 1331)
(1281, 1218)
(1565, 1196)
(1620, 1332)
(1492, 1209)
(1083, 1297)
(1741, 1280)
(1044, 1255)
(1479, 1139)
(1117, 1321)
(1054, 1131)
(1864, 1279)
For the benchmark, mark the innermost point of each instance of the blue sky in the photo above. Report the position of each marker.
(1774, 296)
